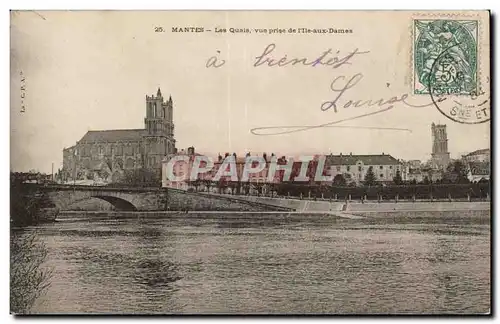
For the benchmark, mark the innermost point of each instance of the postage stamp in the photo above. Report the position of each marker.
(445, 57)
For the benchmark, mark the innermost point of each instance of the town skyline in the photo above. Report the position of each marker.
(215, 152)
(203, 148)
(79, 81)
(427, 158)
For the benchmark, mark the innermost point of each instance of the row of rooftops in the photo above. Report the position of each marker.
(341, 159)
(132, 135)
(476, 168)
(478, 152)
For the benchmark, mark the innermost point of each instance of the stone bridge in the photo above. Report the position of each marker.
(128, 199)
(148, 199)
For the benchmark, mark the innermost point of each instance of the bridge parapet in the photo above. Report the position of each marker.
(200, 201)
(149, 199)
(98, 188)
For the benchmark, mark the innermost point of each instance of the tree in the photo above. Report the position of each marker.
(350, 182)
(397, 179)
(237, 186)
(196, 184)
(208, 183)
(483, 180)
(104, 175)
(322, 189)
(234, 185)
(258, 186)
(221, 185)
(246, 187)
(140, 178)
(456, 172)
(339, 180)
(28, 278)
(370, 177)
(426, 180)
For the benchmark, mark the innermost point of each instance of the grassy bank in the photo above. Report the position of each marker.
(28, 280)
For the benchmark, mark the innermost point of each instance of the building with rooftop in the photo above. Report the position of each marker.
(478, 171)
(105, 155)
(384, 166)
(482, 155)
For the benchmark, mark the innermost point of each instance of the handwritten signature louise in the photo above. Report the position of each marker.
(339, 86)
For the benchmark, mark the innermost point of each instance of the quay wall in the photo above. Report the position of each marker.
(321, 205)
(183, 200)
(419, 206)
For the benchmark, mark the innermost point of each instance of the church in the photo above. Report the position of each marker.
(105, 156)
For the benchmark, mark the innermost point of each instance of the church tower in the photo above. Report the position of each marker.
(159, 135)
(440, 154)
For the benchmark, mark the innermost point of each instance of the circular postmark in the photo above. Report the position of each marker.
(470, 108)
(453, 92)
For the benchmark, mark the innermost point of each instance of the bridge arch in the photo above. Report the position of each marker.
(118, 203)
(64, 199)
(125, 199)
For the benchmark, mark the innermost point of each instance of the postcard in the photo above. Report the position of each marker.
(250, 162)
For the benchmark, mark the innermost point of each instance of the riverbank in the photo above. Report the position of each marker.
(418, 206)
(306, 206)
(70, 215)
(349, 211)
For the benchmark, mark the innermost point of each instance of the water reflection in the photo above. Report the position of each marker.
(283, 265)
(155, 273)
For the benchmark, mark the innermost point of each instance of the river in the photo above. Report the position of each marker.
(391, 263)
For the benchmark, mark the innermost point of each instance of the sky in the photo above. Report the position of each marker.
(86, 70)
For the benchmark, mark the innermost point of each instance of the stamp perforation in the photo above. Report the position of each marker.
(456, 16)
(457, 70)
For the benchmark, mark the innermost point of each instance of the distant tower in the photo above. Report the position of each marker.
(440, 154)
(159, 125)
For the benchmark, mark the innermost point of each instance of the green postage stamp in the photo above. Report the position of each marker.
(445, 57)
